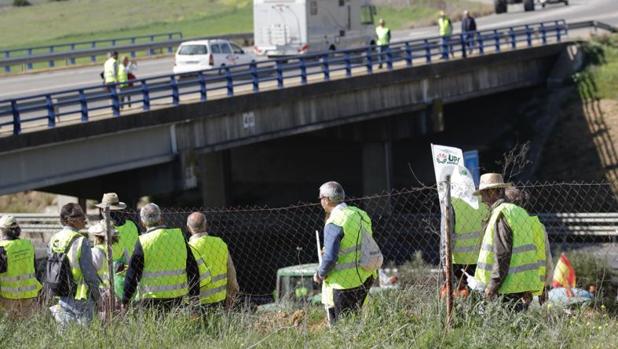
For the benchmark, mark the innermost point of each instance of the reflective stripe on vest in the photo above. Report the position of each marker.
(19, 281)
(58, 244)
(165, 263)
(467, 231)
(525, 264)
(213, 256)
(347, 273)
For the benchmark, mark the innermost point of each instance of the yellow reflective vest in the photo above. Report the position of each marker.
(19, 281)
(211, 254)
(110, 71)
(468, 231)
(128, 235)
(165, 264)
(123, 76)
(528, 254)
(383, 34)
(347, 272)
(445, 26)
(58, 243)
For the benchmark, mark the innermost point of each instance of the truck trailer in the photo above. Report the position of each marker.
(292, 27)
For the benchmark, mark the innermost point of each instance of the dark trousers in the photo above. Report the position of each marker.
(349, 300)
(164, 305)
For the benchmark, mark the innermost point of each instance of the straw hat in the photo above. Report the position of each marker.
(7, 222)
(491, 181)
(111, 200)
(99, 229)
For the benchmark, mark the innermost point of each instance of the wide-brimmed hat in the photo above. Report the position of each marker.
(99, 229)
(7, 222)
(491, 181)
(111, 200)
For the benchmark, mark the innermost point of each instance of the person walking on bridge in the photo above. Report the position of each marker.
(468, 30)
(110, 70)
(218, 284)
(383, 35)
(162, 268)
(19, 287)
(445, 28)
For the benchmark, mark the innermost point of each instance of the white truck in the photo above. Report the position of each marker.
(292, 27)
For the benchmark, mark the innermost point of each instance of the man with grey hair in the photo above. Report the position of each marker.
(162, 267)
(347, 284)
(218, 284)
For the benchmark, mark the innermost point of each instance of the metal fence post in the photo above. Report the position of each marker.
(51, 113)
(255, 78)
(408, 56)
(325, 67)
(528, 35)
(110, 263)
(497, 40)
(146, 95)
(543, 34)
(203, 90)
(513, 38)
(348, 64)
(230, 81)
(427, 51)
(389, 58)
(84, 105)
(448, 267)
(115, 100)
(16, 118)
(303, 71)
(175, 94)
(369, 60)
(279, 73)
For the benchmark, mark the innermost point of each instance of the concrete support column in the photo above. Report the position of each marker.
(377, 167)
(213, 174)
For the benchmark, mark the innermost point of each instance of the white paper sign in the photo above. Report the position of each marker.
(450, 161)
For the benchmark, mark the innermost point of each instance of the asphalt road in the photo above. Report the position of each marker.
(578, 10)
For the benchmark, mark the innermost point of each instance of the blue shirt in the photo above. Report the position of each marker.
(332, 241)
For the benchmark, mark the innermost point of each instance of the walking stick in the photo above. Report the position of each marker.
(317, 241)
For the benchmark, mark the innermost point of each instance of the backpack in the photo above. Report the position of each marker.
(58, 275)
(371, 257)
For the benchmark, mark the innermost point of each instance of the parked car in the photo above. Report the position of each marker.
(544, 2)
(193, 56)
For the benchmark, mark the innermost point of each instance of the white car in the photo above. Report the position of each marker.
(192, 56)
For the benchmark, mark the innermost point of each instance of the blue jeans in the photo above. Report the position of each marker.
(381, 54)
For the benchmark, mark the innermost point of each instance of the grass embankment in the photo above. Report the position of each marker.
(602, 68)
(397, 319)
(49, 23)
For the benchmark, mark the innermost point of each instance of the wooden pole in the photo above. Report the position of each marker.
(110, 262)
(448, 265)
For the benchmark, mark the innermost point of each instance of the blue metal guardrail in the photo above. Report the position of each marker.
(34, 111)
(76, 46)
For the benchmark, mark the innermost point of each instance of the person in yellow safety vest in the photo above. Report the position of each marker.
(162, 269)
(79, 307)
(123, 80)
(383, 35)
(218, 284)
(128, 232)
(120, 256)
(467, 238)
(340, 270)
(19, 287)
(110, 70)
(511, 262)
(445, 28)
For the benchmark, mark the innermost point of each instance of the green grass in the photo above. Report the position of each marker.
(598, 79)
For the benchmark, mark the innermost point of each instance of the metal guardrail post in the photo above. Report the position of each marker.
(408, 56)
(481, 44)
(348, 64)
(303, 71)
(369, 59)
(513, 38)
(7, 68)
(16, 118)
(175, 95)
(72, 59)
(7, 54)
(325, 67)
(115, 100)
(230, 81)
(51, 113)
(93, 59)
(146, 95)
(279, 74)
(528, 35)
(255, 78)
(543, 34)
(83, 102)
(389, 58)
(51, 62)
(497, 40)
(558, 32)
(464, 45)
(203, 90)
(113, 42)
(427, 51)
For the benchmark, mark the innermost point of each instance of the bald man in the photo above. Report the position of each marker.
(218, 284)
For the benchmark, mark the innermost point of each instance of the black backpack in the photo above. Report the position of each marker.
(58, 276)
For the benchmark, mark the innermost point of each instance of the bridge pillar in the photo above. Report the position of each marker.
(377, 167)
(213, 173)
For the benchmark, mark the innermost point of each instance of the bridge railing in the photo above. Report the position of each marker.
(96, 101)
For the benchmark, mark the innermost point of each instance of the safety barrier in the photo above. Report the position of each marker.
(73, 50)
(84, 103)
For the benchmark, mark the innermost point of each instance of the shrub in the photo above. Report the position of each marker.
(21, 3)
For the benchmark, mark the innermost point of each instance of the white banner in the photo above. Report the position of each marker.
(450, 161)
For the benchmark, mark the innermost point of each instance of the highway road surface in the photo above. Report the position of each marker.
(71, 78)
